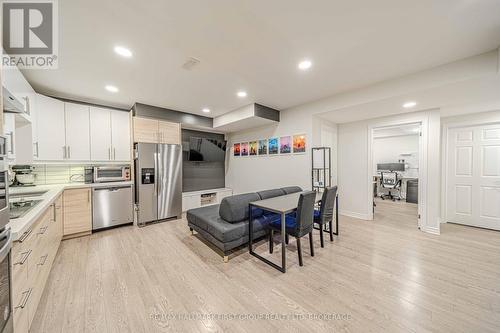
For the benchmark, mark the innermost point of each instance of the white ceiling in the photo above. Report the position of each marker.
(255, 45)
(451, 99)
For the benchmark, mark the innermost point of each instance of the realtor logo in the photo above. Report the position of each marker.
(30, 33)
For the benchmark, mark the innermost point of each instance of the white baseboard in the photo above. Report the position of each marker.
(355, 215)
(430, 230)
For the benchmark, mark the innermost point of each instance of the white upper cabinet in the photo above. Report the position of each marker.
(120, 135)
(109, 135)
(51, 143)
(18, 86)
(9, 130)
(77, 121)
(100, 134)
(77, 132)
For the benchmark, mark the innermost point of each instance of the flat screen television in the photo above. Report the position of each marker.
(206, 150)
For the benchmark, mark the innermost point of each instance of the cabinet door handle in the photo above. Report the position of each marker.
(23, 258)
(69, 152)
(11, 142)
(109, 153)
(88, 196)
(25, 235)
(64, 152)
(24, 300)
(42, 262)
(54, 212)
(114, 153)
(36, 145)
(42, 230)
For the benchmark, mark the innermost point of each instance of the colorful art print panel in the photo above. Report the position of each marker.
(299, 143)
(253, 148)
(285, 145)
(244, 149)
(273, 146)
(262, 147)
(236, 149)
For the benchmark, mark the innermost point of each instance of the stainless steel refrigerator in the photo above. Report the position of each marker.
(158, 182)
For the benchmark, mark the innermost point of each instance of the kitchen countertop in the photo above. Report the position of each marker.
(20, 225)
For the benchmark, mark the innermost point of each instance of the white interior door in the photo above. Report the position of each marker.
(473, 176)
(120, 135)
(77, 131)
(100, 134)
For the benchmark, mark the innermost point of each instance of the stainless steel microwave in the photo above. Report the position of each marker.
(110, 173)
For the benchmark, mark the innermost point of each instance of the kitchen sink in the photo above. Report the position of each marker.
(20, 208)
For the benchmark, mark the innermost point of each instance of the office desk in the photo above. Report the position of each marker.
(282, 205)
(404, 179)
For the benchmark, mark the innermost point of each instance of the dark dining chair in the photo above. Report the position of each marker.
(324, 215)
(298, 224)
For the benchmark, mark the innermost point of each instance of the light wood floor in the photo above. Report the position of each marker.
(382, 276)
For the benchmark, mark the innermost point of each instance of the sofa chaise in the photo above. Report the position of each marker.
(226, 225)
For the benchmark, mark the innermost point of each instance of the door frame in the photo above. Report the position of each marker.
(422, 165)
(481, 121)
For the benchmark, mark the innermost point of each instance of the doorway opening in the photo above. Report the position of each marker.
(396, 163)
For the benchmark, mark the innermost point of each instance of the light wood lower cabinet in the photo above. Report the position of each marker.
(32, 257)
(77, 212)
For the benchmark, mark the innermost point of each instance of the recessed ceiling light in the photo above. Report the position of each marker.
(305, 64)
(242, 94)
(112, 89)
(409, 105)
(123, 51)
(206, 110)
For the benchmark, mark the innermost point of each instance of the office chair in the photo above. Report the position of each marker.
(390, 181)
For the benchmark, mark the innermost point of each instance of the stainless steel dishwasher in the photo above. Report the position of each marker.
(112, 206)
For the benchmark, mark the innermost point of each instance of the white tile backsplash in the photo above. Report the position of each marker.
(46, 174)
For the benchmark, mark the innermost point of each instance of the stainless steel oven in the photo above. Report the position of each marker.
(111, 173)
(6, 321)
(4, 185)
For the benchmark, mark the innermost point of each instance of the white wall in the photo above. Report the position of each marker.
(253, 173)
(353, 170)
(389, 150)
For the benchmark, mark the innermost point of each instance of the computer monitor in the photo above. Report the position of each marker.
(391, 167)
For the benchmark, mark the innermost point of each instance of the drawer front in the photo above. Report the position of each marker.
(40, 275)
(32, 258)
(21, 316)
(19, 273)
(39, 243)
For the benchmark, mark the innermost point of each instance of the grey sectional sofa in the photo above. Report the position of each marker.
(226, 225)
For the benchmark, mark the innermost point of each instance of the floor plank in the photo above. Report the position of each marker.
(381, 276)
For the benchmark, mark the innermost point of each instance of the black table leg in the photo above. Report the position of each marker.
(281, 268)
(283, 244)
(336, 216)
(250, 229)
